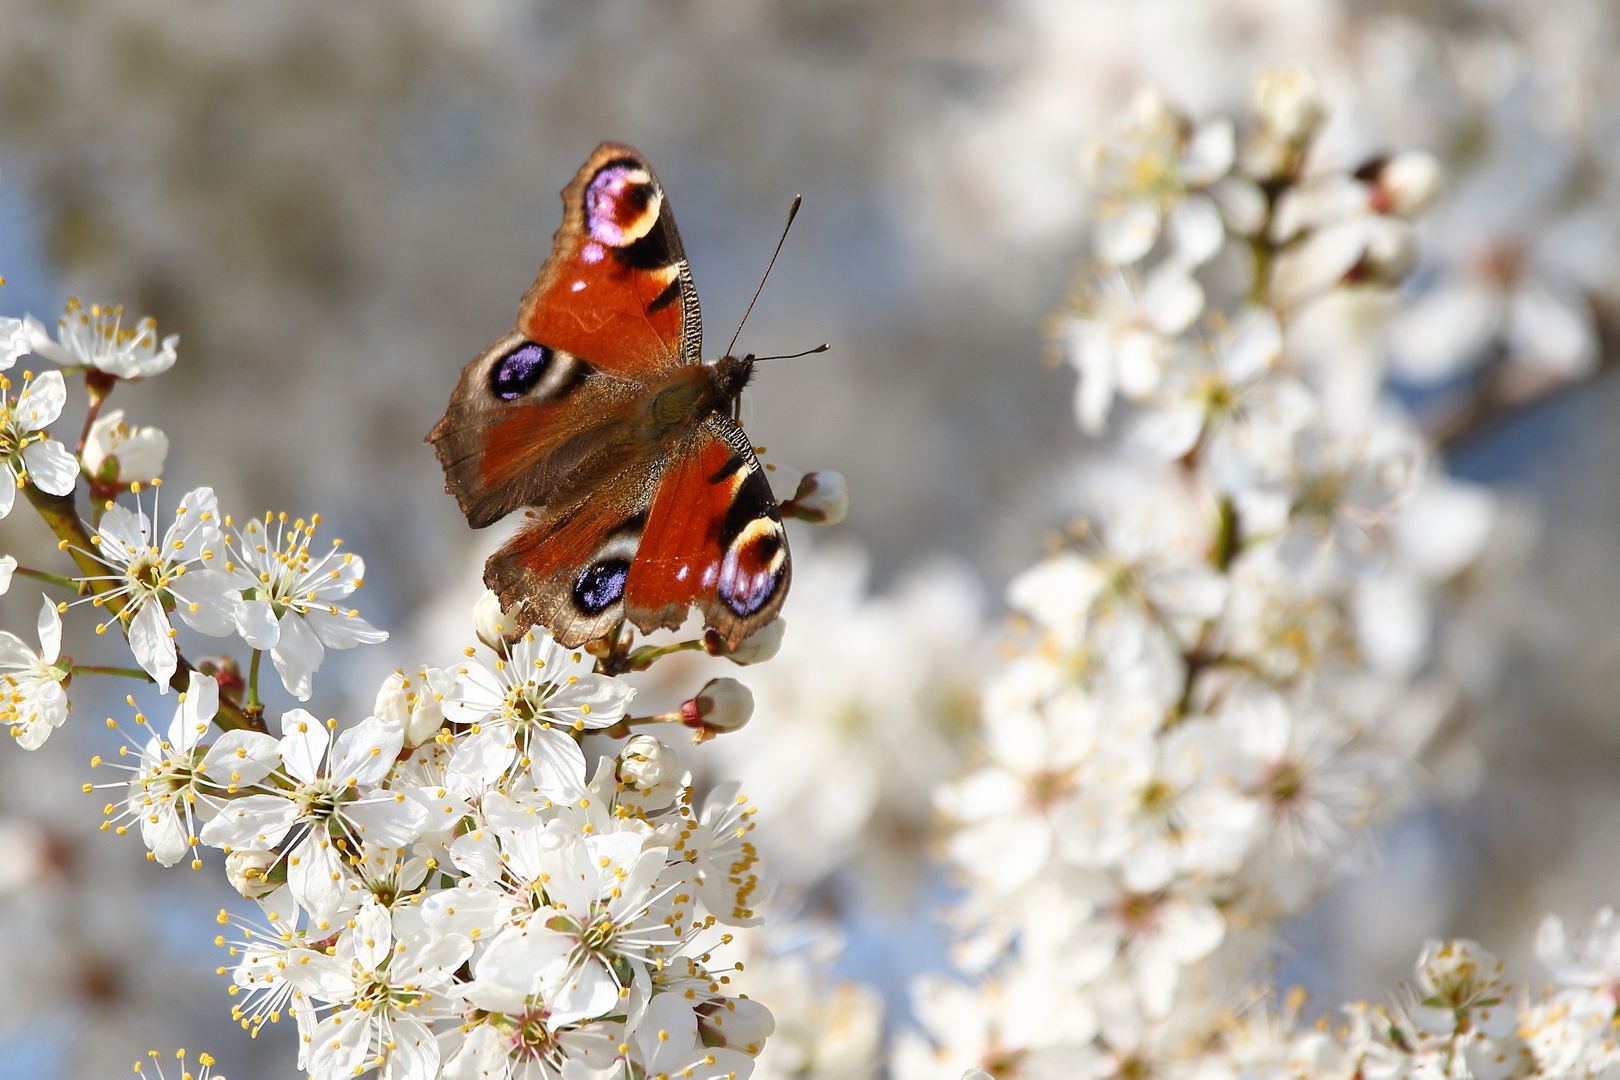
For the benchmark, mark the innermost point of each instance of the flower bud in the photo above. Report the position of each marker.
(1290, 102)
(822, 498)
(1391, 252)
(722, 705)
(491, 623)
(227, 675)
(414, 703)
(645, 763)
(248, 870)
(1406, 184)
(115, 453)
(743, 1025)
(761, 645)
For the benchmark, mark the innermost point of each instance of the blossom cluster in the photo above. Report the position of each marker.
(1227, 663)
(447, 887)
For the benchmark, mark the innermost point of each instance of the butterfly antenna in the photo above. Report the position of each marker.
(823, 347)
(792, 213)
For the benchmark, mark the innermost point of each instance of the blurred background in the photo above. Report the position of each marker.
(336, 205)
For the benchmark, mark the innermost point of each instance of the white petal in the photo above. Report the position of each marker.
(256, 622)
(557, 764)
(340, 1046)
(41, 402)
(51, 467)
(254, 821)
(413, 1052)
(150, 642)
(365, 752)
(389, 819)
(196, 525)
(8, 490)
(1209, 155)
(343, 631)
(213, 595)
(164, 837)
(1198, 230)
(315, 875)
(304, 740)
(50, 632)
(14, 654)
(1129, 234)
(373, 935)
(1172, 300)
(8, 565)
(298, 655)
(1552, 333)
(241, 757)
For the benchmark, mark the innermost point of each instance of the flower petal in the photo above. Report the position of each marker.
(51, 467)
(41, 402)
(150, 641)
(298, 655)
(256, 622)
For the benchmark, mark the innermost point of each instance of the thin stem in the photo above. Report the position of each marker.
(622, 728)
(98, 384)
(62, 516)
(253, 703)
(126, 672)
(42, 575)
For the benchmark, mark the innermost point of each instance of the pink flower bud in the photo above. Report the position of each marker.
(822, 498)
(722, 705)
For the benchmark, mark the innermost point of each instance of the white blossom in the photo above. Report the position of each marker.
(36, 703)
(28, 453)
(292, 603)
(97, 338)
(116, 454)
(527, 706)
(151, 577)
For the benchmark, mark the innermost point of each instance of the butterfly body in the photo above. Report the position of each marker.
(598, 416)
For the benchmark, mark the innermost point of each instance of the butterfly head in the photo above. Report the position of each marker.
(730, 375)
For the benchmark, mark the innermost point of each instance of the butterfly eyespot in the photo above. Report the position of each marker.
(601, 585)
(621, 204)
(516, 373)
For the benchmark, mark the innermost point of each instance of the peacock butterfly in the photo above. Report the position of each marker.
(599, 413)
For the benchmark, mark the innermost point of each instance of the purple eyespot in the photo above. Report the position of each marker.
(600, 585)
(518, 371)
(620, 204)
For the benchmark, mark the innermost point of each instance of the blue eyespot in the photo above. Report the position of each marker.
(600, 585)
(518, 371)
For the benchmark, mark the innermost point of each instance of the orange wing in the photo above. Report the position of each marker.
(713, 538)
(699, 528)
(617, 290)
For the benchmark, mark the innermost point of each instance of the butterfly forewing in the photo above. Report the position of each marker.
(617, 288)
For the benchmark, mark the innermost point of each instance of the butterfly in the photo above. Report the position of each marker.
(598, 414)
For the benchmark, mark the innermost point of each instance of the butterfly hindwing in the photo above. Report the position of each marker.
(617, 289)
(568, 569)
(713, 538)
